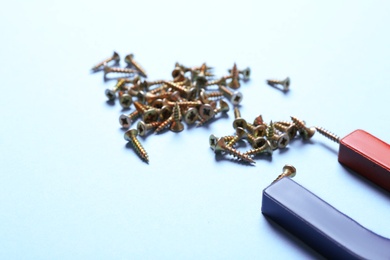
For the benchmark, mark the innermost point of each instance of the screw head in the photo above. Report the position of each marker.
(129, 134)
(141, 128)
(176, 126)
(283, 140)
(125, 100)
(206, 111)
(166, 112)
(115, 56)
(286, 84)
(236, 98)
(124, 121)
(191, 115)
(259, 130)
(224, 106)
(110, 94)
(128, 58)
(150, 115)
(246, 73)
(213, 141)
(289, 170)
(258, 142)
(239, 122)
(220, 145)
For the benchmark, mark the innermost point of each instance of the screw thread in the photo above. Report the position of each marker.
(176, 112)
(139, 148)
(164, 125)
(140, 107)
(237, 154)
(214, 94)
(285, 123)
(280, 127)
(175, 86)
(261, 149)
(137, 66)
(134, 115)
(328, 134)
(115, 57)
(233, 141)
(119, 70)
(270, 131)
(299, 123)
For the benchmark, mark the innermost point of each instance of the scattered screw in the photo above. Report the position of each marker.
(131, 136)
(129, 59)
(235, 97)
(305, 132)
(115, 57)
(284, 83)
(288, 171)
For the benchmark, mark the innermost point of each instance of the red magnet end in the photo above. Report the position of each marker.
(368, 156)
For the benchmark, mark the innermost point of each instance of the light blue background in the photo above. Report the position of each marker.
(71, 189)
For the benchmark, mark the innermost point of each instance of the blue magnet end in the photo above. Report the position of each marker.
(319, 225)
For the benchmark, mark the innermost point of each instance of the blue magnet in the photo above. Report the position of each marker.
(321, 226)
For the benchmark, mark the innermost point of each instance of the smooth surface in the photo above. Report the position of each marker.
(70, 186)
(368, 156)
(321, 226)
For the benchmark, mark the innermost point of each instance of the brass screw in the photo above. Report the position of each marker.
(204, 97)
(163, 125)
(143, 128)
(265, 148)
(328, 134)
(221, 81)
(234, 73)
(148, 115)
(129, 59)
(191, 115)
(291, 129)
(240, 133)
(189, 93)
(110, 93)
(246, 73)
(177, 125)
(131, 136)
(115, 57)
(125, 99)
(259, 130)
(107, 70)
(238, 121)
(258, 120)
(214, 139)
(306, 132)
(284, 83)
(223, 107)
(221, 146)
(288, 171)
(126, 120)
(235, 97)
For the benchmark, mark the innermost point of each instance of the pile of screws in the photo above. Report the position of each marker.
(192, 94)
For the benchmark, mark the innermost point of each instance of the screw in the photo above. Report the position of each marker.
(148, 115)
(142, 127)
(245, 73)
(258, 120)
(164, 124)
(177, 125)
(118, 70)
(125, 99)
(305, 132)
(204, 97)
(265, 148)
(328, 134)
(129, 59)
(110, 93)
(235, 97)
(270, 136)
(127, 120)
(189, 93)
(223, 107)
(115, 57)
(221, 146)
(288, 171)
(131, 136)
(284, 83)
(240, 133)
(238, 121)
(259, 130)
(214, 139)
(291, 129)
(191, 115)
(221, 81)
(234, 83)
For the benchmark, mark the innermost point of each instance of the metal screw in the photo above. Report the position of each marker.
(107, 70)
(234, 83)
(131, 136)
(148, 115)
(214, 139)
(143, 128)
(110, 93)
(204, 97)
(129, 59)
(288, 171)
(191, 115)
(125, 99)
(235, 97)
(115, 57)
(221, 146)
(305, 132)
(291, 129)
(284, 83)
(238, 121)
(240, 133)
(126, 120)
(259, 130)
(328, 134)
(177, 125)
(265, 148)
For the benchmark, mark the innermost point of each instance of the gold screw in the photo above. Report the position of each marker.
(235, 97)
(288, 171)
(129, 59)
(291, 129)
(131, 136)
(265, 148)
(126, 120)
(191, 115)
(148, 115)
(234, 73)
(107, 70)
(177, 125)
(238, 121)
(115, 57)
(214, 139)
(110, 93)
(328, 134)
(221, 146)
(284, 83)
(142, 127)
(240, 133)
(306, 132)
(125, 99)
